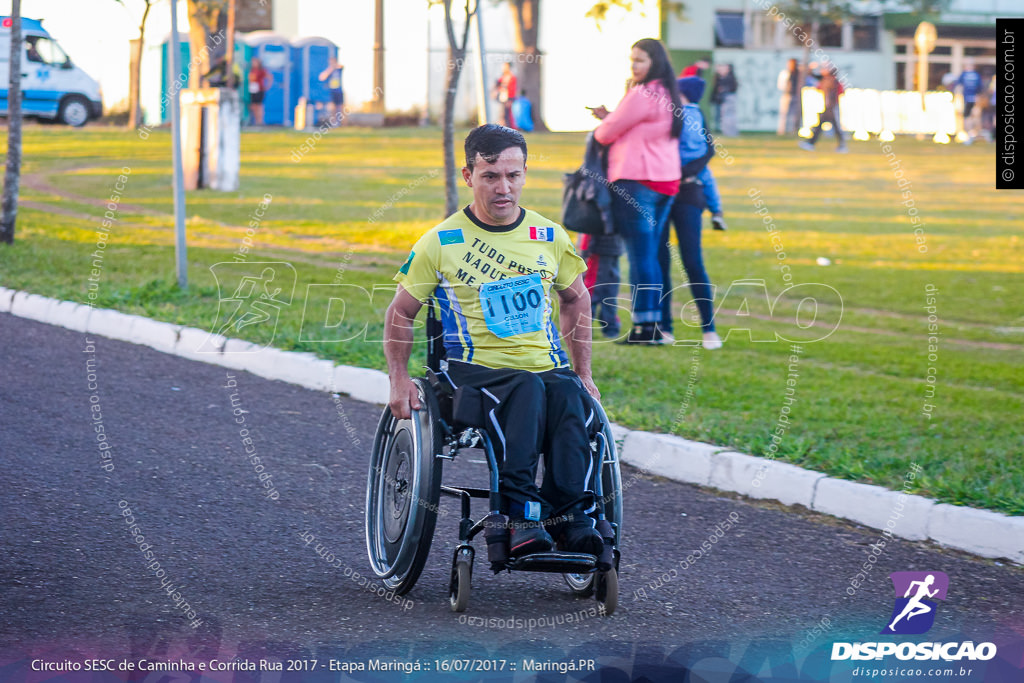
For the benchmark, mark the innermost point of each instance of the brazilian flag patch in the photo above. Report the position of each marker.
(404, 270)
(451, 236)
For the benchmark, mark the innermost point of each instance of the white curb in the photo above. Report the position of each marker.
(32, 306)
(763, 478)
(903, 514)
(200, 345)
(70, 315)
(669, 456)
(110, 324)
(6, 295)
(154, 334)
(981, 532)
(361, 384)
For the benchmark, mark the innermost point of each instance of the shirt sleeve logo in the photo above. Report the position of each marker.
(404, 270)
(451, 236)
(542, 234)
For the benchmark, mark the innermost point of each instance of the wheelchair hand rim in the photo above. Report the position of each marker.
(407, 547)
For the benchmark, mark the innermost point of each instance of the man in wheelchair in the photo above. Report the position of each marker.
(492, 268)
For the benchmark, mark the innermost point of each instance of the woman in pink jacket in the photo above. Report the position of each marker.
(642, 135)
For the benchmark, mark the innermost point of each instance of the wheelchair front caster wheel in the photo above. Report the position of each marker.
(462, 576)
(607, 590)
(582, 585)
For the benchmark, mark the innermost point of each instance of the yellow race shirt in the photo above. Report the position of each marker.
(493, 286)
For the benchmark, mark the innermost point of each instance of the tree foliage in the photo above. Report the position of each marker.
(599, 12)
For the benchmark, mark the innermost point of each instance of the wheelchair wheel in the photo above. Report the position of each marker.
(402, 493)
(582, 585)
(462, 578)
(607, 590)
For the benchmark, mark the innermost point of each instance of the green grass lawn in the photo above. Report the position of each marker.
(860, 390)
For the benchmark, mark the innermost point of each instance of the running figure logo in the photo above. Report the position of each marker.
(251, 294)
(914, 611)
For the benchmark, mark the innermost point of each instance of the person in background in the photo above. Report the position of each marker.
(505, 89)
(522, 112)
(642, 136)
(696, 149)
(332, 74)
(217, 76)
(697, 68)
(813, 75)
(601, 253)
(789, 101)
(32, 51)
(723, 97)
(831, 89)
(969, 84)
(259, 82)
(988, 115)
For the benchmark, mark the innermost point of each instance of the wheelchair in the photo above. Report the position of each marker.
(404, 488)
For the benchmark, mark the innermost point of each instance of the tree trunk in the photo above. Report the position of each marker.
(456, 58)
(203, 19)
(526, 21)
(12, 175)
(451, 188)
(135, 73)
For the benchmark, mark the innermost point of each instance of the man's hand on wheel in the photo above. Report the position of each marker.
(588, 384)
(404, 398)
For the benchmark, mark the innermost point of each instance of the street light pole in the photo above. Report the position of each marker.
(924, 41)
(179, 177)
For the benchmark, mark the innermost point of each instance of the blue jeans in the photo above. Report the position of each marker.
(688, 226)
(640, 214)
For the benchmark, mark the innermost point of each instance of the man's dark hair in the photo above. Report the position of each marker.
(489, 141)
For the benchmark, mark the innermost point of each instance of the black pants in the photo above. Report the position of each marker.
(687, 220)
(531, 412)
(832, 116)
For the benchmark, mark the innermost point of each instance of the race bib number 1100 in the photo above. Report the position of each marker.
(514, 306)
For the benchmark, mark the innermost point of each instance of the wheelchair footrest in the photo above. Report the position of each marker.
(556, 562)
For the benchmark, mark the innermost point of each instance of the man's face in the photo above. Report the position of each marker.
(497, 186)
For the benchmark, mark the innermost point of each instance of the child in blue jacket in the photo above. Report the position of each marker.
(696, 148)
(693, 147)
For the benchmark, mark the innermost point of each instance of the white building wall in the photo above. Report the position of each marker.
(696, 30)
(757, 72)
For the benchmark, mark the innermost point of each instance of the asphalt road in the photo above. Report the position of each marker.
(776, 588)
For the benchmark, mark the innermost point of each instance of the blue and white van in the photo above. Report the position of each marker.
(51, 86)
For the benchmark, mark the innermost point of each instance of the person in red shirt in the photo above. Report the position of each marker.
(831, 88)
(505, 90)
(259, 82)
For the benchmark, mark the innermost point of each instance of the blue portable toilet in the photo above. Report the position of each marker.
(310, 56)
(274, 52)
(183, 72)
(185, 68)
